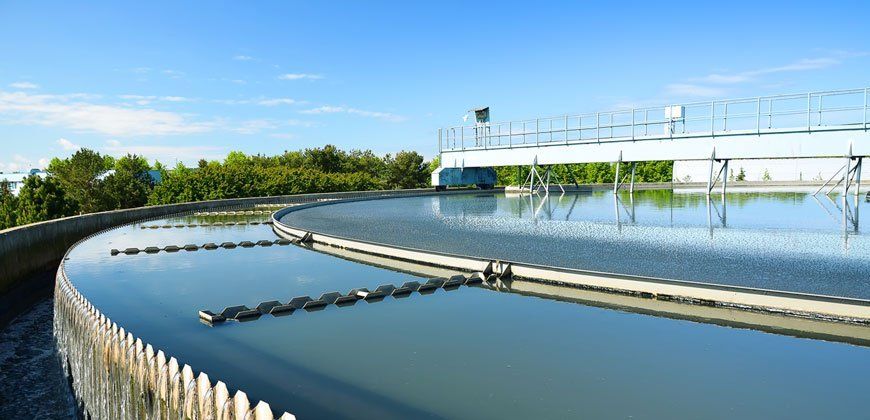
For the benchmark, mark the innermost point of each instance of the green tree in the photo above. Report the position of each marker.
(329, 159)
(741, 175)
(363, 161)
(42, 199)
(236, 158)
(406, 170)
(129, 186)
(79, 176)
(8, 204)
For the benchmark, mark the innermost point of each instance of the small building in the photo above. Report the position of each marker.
(15, 180)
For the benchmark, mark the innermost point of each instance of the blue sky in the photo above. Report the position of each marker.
(189, 80)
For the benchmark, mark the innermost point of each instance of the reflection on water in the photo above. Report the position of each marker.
(467, 353)
(783, 240)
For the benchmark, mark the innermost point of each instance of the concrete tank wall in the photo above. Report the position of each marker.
(31, 252)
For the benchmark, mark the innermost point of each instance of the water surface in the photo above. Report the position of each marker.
(772, 240)
(467, 353)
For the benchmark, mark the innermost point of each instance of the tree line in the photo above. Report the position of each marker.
(90, 182)
(591, 173)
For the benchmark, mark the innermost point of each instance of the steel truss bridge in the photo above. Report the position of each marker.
(824, 124)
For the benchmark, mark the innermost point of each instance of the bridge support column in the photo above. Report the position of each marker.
(858, 176)
(848, 177)
(722, 173)
(616, 178)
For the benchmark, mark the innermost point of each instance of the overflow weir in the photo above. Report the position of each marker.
(803, 305)
(117, 374)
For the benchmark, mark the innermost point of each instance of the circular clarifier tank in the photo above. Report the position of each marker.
(496, 349)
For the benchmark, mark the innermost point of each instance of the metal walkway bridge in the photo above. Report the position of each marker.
(822, 124)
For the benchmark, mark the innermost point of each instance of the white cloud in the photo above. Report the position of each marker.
(300, 76)
(113, 142)
(167, 154)
(254, 126)
(18, 163)
(327, 109)
(243, 58)
(67, 145)
(141, 70)
(277, 101)
(686, 89)
(299, 123)
(74, 113)
(23, 85)
(750, 75)
(175, 74)
(723, 78)
(21, 164)
(283, 136)
(148, 99)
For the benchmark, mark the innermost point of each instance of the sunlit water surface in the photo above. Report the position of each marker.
(467, 353)
(773, 240)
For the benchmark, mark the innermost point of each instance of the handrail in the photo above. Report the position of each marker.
(806, 112)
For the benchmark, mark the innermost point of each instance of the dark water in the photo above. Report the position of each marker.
(32, 383)
(772, 240)
(468, 353)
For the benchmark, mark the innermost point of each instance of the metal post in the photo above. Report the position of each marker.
(610, 136)
(598, 127)
(724, 179)
(551, 130)
(566, 128)
(809, 109)
(631, 186)
(616, 179)
(462, 135)
(713, 119)
(537, 131)
(646, 122)
(865, 109)
(770, 113)
(858, 177)
(632, 124)
(725, 118)
(510, 134)
(820, 109)
(846, 178)
(758, 116)
(710, 179)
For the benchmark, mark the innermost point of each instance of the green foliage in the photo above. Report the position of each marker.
(42, 199)
(224, 181)
(128, 187)
(766, 176)
(434, 164)
(591, 173)
(81, 181)
(78, 176)
(741, 176)
(406, 170)
(328, 159)
(8, 203)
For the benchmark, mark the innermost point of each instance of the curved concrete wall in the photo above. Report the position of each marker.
(821, 307)
(113, 373)
(28, 252)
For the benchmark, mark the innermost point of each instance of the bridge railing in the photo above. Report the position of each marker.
(805, 112)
